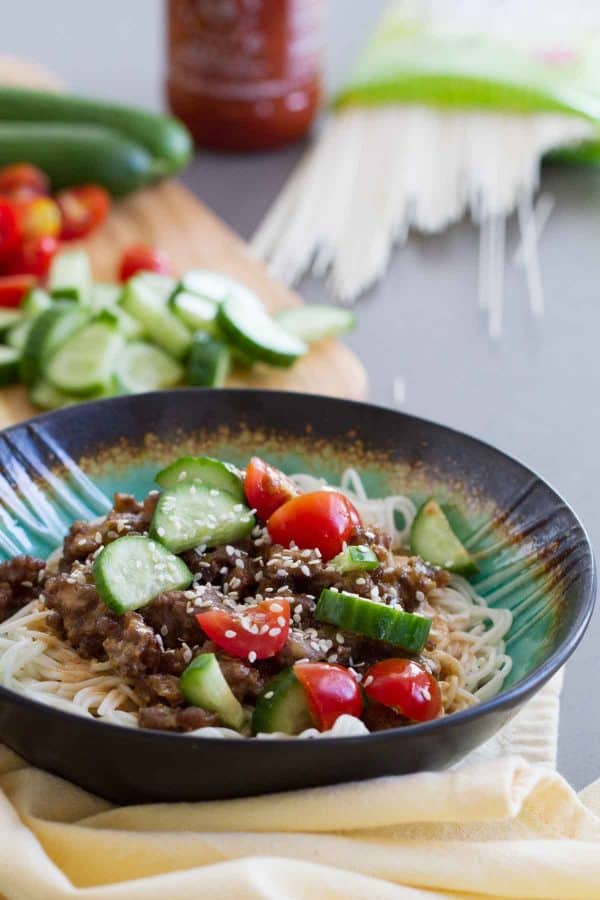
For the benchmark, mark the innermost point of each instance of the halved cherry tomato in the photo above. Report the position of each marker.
(405, 686)
(320, 519)
(267, 488)
(259, 633)
(9, 228)
(331, 690)
(33, 257)
(38, 217)
(23, 180)
(143, 258)
(82, 209)
(13, 288)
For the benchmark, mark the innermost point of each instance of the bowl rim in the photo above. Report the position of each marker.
(505, 699)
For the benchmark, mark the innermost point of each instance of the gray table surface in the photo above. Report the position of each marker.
(534, 395)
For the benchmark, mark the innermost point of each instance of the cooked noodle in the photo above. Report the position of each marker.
(469, 657)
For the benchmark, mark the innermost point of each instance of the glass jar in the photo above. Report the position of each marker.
(244, 74)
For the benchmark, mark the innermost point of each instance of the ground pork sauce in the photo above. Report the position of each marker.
(151, 647)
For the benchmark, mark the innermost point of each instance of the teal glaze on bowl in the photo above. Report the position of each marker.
(534, 557)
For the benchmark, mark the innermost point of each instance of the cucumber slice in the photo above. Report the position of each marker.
(70, 276)
(84, 364)
(432, 538)
(35, 303)
(203, 684)
(316, 322)
(214, 286)
(209, 362)
(129, 327)
(47, 332)
(198, 313)
(282, 707)
(17, 335)
(9, 365)
(213, 473)
(144, 367)
(46, 396)
(133, 570)
(355, 559)
(248, 326)
(373, 620)
(105, 295)
(9, 318)
(191, 514)
(162, 286)
(146, 305)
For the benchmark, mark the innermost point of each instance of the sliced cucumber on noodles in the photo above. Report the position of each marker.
(212, 473)
(84, 364)
(143, 367)
(192, 513)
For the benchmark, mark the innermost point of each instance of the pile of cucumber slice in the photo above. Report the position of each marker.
(80, 340)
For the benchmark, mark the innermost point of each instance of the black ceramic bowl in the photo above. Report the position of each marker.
(536, 560)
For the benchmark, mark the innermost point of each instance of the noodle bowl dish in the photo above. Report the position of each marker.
(271, 591)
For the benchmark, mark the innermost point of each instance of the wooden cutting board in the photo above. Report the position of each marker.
(169, 216)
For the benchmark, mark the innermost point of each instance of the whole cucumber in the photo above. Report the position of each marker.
(77, 154)
(163, 137)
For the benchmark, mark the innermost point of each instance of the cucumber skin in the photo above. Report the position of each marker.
(78, 154)
(286, 711)
(9, 371)
(250, 348)
(209, 362)
(374, 620)
(39, 345)
(466, 564)
(198, 468)
(203, 684)
(163, 138)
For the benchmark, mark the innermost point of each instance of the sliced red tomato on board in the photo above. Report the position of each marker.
(13, 288)
(406, 687)
(38, 217)
(10, 234)
(323, 520)
(33, 257)
(267, 488)
(82, 209)
(331, 691)
(143, 258)
(23, 180)
(259, 633)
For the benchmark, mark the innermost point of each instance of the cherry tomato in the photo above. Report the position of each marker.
(23, 179)
(10, 235)
(143, 258)
(38, 217)
(82, 209)
(320, 519)
(267, 488)
(33, 257)
(405, 686)
(259, 633)
(331, 690)
(13, 288)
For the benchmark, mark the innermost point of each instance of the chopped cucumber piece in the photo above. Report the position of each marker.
(316, 322)
(282, 707)
(144, 367)
(84, 364)
(198, 313)
(133, 570)
(373, 620)
(162, 286)
(209, 362)
(214, 286)
(355, 559)
(191, 514)
(9, 365)
(213, 473)
(249, 327)
(203, 684)
(8, 319)
(105, 295)
(46, 396)
(129, 327)
(432, 538)
(49, 331)
(71, 276)
(159, 323)
(35, 303)
(17, 335)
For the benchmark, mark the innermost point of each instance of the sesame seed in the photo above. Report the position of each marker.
(273, 632)
(281, 621)
(368, 680)
(239, 563)
(160, 531)
(252, 656)
(305, 570)
(276, 607)
(339, 638)
(269, 694)
(230, 633)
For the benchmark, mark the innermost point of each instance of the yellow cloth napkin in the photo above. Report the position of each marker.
(495, 827)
